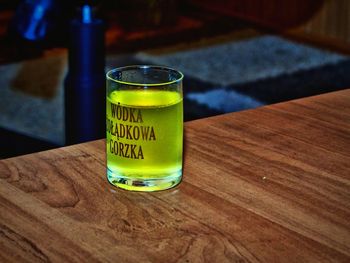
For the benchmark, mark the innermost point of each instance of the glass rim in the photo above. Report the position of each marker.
(110, 72)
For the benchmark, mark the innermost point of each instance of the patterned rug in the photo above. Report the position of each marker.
(228, 76)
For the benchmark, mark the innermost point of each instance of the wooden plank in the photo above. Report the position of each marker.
(270, 184)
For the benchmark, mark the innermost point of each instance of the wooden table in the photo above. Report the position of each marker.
(264, 185)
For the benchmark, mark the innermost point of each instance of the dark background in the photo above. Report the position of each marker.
(134, 25)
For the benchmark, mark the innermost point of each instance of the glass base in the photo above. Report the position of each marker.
(144, 185)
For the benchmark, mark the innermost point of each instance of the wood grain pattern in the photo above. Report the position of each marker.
(264, 185)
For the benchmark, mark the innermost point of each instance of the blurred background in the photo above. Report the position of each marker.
(235, 54)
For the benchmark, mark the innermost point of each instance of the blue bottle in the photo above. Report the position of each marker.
(85, 81)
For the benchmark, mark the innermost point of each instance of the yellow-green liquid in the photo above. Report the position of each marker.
(144, 139)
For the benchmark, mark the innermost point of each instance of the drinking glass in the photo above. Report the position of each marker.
(144, 141)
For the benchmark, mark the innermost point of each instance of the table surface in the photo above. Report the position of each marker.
(264, 185)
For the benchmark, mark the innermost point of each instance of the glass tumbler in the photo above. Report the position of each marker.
(144, 141)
